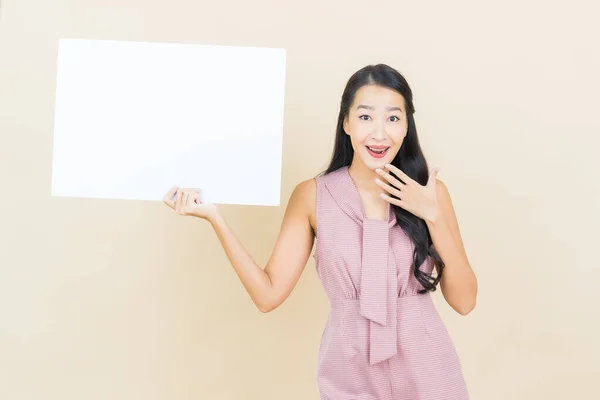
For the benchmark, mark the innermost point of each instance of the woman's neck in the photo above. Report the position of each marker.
(364, 178)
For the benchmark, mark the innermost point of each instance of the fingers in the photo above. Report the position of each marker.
(168, 199)
(431, 181)
(399, 173)
(185, 202)
(182, 200)
(388, 188)
(191, 200)
(179, 196)
(388, 177)
(390, 199)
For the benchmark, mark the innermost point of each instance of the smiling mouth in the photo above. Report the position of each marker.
(377, 151)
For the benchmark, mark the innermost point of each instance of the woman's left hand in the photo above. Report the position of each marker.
(411, 195)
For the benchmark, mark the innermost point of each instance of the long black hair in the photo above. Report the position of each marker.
(410, 160)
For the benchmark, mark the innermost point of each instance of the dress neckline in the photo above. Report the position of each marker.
(345, 192)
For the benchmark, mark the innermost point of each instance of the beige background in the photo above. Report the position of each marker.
(114, 299)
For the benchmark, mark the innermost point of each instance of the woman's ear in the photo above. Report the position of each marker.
(345, 125)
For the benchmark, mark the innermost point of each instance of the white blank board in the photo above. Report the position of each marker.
(133, 119)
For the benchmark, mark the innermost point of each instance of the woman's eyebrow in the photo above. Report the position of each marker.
(367, 107)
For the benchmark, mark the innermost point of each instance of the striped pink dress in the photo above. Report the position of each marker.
(382, 340)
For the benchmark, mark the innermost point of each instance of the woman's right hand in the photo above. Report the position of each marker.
(186, 201)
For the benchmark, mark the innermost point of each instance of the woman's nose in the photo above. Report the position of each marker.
(379, 131)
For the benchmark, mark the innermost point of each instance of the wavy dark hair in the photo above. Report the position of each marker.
(409, 159)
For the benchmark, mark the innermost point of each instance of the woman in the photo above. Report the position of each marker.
(380, 224)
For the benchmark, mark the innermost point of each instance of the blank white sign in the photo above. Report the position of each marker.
(134, 119)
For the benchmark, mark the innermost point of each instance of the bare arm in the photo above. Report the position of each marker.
(270, 287)
(459, 283)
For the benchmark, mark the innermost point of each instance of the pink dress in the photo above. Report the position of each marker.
(382, 340)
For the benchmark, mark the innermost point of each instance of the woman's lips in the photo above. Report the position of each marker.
(377, 151)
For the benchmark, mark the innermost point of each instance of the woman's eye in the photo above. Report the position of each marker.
(363, 117)
(397, 119)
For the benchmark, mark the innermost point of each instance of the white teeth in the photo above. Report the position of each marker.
(377, 151)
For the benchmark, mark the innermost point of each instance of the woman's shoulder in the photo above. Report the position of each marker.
(304, 197)
(305, 192)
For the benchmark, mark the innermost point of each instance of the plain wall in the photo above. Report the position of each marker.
(125, 300)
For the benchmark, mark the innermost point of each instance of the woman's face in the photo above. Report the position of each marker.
(377, 125)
